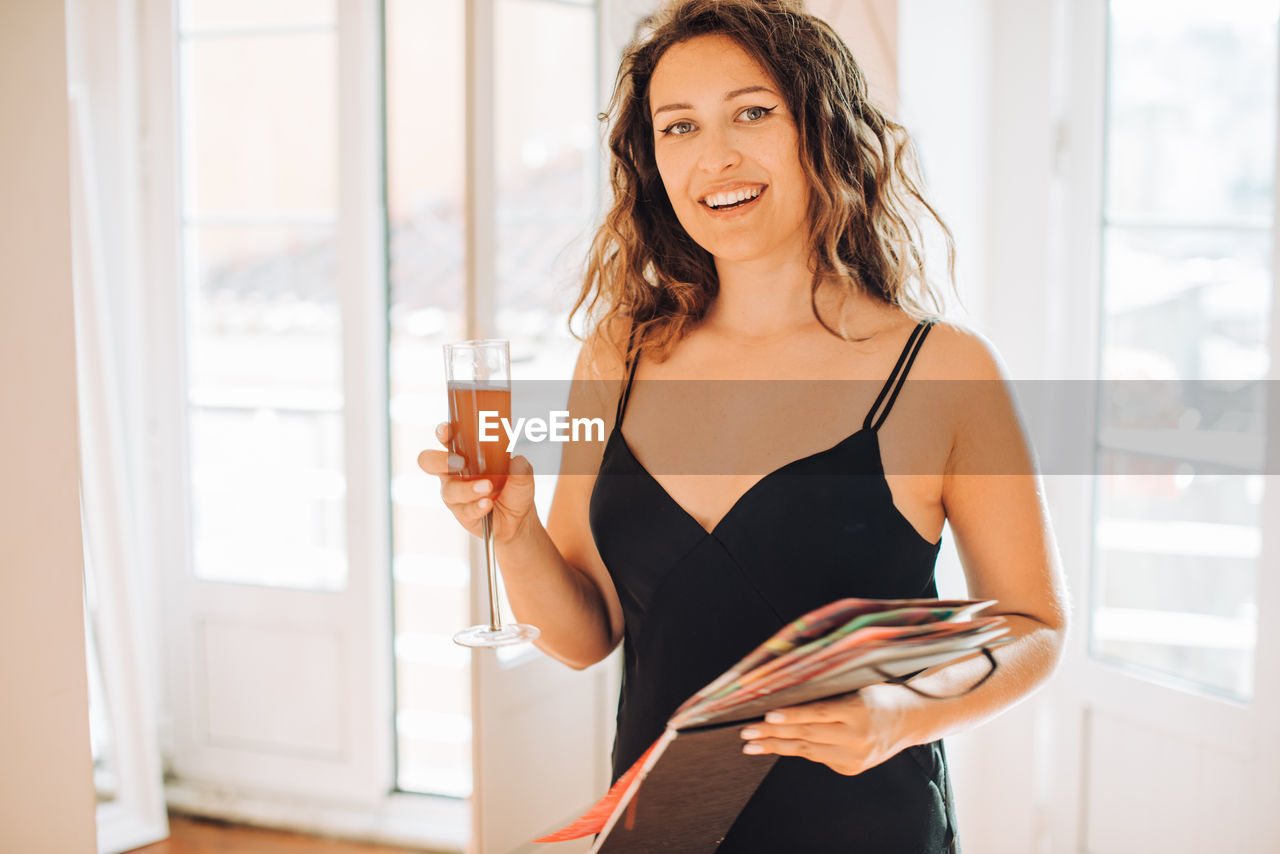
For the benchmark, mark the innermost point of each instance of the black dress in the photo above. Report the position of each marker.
(695, 602)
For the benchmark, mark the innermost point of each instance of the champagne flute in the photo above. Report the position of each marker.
(478, 376)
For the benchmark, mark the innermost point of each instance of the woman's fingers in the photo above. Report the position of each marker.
(455, 490)
(439, 462)
(443, 431)
(833, 757)
(470, 511)
(517, 494)
(817, 733)
(470, 499)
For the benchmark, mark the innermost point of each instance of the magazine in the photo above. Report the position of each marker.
(686, 790)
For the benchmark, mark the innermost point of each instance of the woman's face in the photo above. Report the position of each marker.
(728, 152)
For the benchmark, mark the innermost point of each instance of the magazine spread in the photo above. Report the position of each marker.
(686, 790)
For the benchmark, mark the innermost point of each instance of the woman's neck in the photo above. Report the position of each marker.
(762, 299)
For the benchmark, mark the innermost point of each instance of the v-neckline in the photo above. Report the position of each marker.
(711, 532)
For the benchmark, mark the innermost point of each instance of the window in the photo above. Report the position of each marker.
(543, 174)
(1186, 293)
(258, 125)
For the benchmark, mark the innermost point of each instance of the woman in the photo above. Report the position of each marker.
(762, 228)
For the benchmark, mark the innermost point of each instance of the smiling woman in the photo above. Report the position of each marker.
(765, 226)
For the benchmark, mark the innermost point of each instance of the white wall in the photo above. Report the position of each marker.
(976, 94)
(975, 88)
(46, 781)
(870, 29)
(944, 81)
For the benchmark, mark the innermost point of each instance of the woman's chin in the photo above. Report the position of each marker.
(748, 250)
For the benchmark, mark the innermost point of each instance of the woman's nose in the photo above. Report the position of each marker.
(719, 151)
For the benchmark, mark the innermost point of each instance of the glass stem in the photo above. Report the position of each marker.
(495, 620)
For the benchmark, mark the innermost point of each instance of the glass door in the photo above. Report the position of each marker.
(276, 549)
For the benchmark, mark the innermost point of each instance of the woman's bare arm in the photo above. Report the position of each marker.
(995, 506)
(555, 578)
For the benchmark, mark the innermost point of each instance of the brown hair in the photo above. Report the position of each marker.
(862, 170)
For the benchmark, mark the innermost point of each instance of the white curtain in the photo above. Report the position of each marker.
(122, 639)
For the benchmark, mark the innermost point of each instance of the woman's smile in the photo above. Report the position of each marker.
(727, 204)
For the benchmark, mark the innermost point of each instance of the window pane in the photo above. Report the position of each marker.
(1186, 298)
(263, 321)
(1175, 570)
(547, 136)
(268, 497)
(1191, 124)
(425, 168)
(265, 385)
(206, 15)
(259, 124)
(546, 149)
(1186, 304)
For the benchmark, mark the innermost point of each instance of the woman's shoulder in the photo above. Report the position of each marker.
(958, 352)
(604, 349)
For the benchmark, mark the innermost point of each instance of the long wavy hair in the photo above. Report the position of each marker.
(863, 175)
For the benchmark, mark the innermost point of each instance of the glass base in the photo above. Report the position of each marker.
(510, 633)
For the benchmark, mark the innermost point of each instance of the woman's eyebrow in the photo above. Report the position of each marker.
(745, 90)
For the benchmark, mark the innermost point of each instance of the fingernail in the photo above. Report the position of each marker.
(775, 717)
(751, 733)
(481, 486)
(456, 462)
(752, 748)
(485, 504)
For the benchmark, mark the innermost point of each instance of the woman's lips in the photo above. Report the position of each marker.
(735, 210)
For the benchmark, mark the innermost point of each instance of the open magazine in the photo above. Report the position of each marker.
(686, 790)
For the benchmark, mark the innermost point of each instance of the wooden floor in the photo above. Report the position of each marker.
(201, 836)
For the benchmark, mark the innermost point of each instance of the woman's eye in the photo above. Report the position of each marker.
(755, 114)
(678, 128)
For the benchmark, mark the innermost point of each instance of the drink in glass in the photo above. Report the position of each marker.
(480, 459)
(478, 376)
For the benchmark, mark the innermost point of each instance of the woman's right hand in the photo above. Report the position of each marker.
(470, 499)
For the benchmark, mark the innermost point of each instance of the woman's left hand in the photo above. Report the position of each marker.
(848, 734)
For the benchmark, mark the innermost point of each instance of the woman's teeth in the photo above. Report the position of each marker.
(718, 201)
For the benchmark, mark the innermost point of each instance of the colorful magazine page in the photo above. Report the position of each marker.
(837, 655)
(811, 654)
(843, 682)
(809, 627)
(595, 819)
(847, 650)
(895, 618)
(915, 613)
(822, 621)
(869, 670)
(961, 641)
(687, 796)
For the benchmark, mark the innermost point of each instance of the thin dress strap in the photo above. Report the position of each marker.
(626, 391)
(893, 385)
